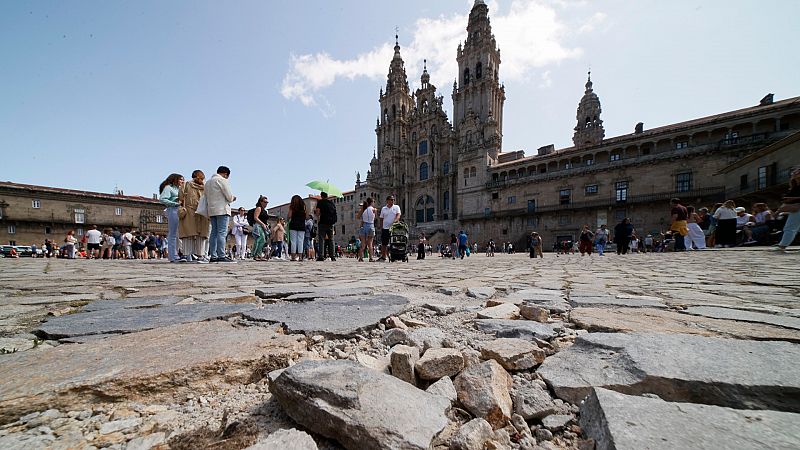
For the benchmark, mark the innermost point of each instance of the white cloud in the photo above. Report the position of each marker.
(531, 35)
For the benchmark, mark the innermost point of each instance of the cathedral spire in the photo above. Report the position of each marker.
(397, 80)
(589, 130)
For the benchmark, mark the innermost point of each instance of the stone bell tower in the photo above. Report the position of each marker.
(589, 130)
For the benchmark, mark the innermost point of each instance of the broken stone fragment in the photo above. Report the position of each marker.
(533, 312)
(445, 388)
(483, 389)
(512, 353)
(290, 439)
(531, 401)
(440, 309)
(556, 422)
(426, 338)
(504, 311)
(394, 322)
(358, 407)
(394, 336)
(439, 362)
(472, 435)
(403, 359)
(481, 293)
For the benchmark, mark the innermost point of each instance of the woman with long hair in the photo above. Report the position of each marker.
(726, 225)
(367, 230)
(297, 227)
(260, 228)
(695, 238)
(278, 238)
(70, 243)
(790, 207)
(170, 197)
(241, 229)
(194, 228)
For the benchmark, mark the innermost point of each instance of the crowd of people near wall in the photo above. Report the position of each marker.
(198, 214)
(724, 225)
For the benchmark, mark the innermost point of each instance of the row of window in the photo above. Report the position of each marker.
(37, 204)
(683, 184)
(12, 228)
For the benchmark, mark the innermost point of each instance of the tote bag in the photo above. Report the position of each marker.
(202, 206)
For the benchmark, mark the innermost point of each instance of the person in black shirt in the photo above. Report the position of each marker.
(622, 236)
(326, 211)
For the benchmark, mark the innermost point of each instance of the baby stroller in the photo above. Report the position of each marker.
(398, 242)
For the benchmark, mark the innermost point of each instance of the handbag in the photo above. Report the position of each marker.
(790, 207)
(247, 229)
(202, 207)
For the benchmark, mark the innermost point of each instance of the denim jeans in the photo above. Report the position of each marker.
(790, 229)
(601, 247)
(172, 233)
(219, 229)
(296, 239)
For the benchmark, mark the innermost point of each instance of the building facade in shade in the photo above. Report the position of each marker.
(453, 176)
(30, 214)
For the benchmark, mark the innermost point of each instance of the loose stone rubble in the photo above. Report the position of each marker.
(346, 355)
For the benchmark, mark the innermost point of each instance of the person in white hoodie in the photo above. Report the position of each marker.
(219, 198)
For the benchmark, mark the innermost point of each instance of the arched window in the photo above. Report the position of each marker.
(466, 76)
(385, 115)
(394, 111)
(424, 209)
(446, 168)
(423, 171)
(422, 148)
(414, 137)
(478, 71)
(466, 172)
(424, 106)
(446, 201)
(473, 172)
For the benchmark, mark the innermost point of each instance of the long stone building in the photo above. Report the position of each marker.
(452, 176)
(30, 214)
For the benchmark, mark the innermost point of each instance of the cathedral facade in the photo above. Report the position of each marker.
(448, 176)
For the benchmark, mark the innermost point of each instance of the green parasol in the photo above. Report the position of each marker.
(325, 186)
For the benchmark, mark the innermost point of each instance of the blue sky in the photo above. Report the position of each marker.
(98, 94)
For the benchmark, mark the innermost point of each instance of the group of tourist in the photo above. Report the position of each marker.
(198, 213)
(724, 225)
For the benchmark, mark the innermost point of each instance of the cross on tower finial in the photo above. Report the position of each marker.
(424, 64)
(396, 33)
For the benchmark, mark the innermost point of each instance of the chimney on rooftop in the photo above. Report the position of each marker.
(767, 100)
(639, 128)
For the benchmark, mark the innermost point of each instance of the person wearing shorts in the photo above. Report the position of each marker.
(389, 215)
(367, 230)
(93, 240)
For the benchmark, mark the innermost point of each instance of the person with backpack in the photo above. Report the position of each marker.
(326, 211)
(258, 218)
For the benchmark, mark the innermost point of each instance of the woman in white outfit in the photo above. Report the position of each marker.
(696, 235)
(240, 225)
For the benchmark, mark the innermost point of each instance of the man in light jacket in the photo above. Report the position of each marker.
(219, 198)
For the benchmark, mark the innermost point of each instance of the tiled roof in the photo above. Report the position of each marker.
(54, 190)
